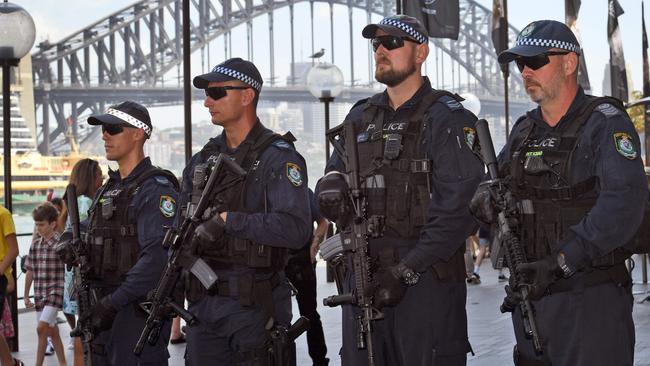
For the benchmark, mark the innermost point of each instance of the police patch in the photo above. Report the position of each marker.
(625, 145)
(167, 206)
(470, 136)
(294, 175)
(528, 30)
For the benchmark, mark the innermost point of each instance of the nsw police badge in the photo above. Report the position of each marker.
(625, 145)
(294, 175)
(470, 136)
(167, 206)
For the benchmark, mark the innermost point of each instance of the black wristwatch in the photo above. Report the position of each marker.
(564, 266)
(408, 276)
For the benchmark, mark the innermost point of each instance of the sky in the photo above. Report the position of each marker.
(57, 19)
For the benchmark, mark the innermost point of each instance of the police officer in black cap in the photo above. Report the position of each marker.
(125, 233)
(255, 221)
(573, 163)
(415, 157)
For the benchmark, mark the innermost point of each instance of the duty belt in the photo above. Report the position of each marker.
(222, 288)
(564, 193)
(616, 274)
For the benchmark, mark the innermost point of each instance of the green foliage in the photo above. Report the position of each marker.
(636, 113)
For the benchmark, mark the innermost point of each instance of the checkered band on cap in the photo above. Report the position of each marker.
(421, 38)
(130, 120)
(552, 43)
(239, 76)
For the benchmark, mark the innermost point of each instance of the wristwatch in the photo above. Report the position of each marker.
(408, 276)
(564, 266)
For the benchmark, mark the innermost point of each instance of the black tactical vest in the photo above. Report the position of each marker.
(540, 173)
(231, 198)
(395, 168)
(112, 236)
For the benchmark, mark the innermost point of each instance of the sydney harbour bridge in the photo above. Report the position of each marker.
(136, 53)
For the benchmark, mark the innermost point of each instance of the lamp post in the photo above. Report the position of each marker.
(17, 34)
(325, 82)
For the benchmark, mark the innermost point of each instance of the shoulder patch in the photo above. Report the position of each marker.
(451, 103)
(281, 144)
(625, 145)
(161, 179)
(294, 174)
(167, 206)
(608, 109)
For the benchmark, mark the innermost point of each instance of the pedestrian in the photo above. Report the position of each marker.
(572, 164)
(125, 232)
(8, 254)
(46, 270)
(301, 271)
(416, 162)
(254, 222)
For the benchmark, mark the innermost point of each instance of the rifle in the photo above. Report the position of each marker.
(514, 253)
(161, 305)
(78, 258)
(282, 350)
(353, 241)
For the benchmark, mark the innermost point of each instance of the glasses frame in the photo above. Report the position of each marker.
(218, 92)
(114, 129)
(389, 42)
(538, 61)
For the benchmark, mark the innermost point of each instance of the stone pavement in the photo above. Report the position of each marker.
(490, 331)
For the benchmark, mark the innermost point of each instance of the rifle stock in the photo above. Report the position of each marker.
(514, 253)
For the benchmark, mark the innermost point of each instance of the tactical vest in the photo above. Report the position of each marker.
(112, 237)
(540, 170)
(231, 197)
(395, 168)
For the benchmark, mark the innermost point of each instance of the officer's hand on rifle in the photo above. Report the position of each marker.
(391, 285)
(482, 205)
(101, 316)
(332, 196)
(512, 299)
(210, 231)
(64, 249)
(540, 275)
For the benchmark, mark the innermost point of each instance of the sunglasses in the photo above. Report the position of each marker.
(218, 92)
(536, 62)
(114, 129)
(389, 42)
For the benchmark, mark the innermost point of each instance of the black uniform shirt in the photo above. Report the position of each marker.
(608, 148)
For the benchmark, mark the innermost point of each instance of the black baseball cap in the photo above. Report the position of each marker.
(539, 37)
(125, 113)
(232, 69)
(400, 26)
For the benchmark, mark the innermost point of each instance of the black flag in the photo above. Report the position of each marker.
(499, 29)
(618, 76)
(441, 18)
(571, 10)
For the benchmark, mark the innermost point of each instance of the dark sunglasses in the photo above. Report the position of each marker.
(114, 129)
(389, 42)
(218, 92)
(536, 62)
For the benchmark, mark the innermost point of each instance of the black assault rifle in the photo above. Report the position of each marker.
(75, 252)
(508, 209)
(353, 241)
(161, 305)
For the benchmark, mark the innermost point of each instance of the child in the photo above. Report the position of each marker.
(46, 270)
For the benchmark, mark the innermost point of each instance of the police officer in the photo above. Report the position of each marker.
(417, 141)
(573, 163)
(301, 271)
(125, 236)
(255, 220)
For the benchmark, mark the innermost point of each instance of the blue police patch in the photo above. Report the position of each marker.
(294, 174)
(470, 136)
(167, 206)
(625, 145)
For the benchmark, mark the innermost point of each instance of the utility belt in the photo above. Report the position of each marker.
(616, 274)
(451, 271)
(249, 290)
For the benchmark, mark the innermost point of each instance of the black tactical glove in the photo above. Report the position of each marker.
(391, 285)
(210, 231)
(101, 316)
(64, 249)
(332, 196)
(511, 300)
(539, 275)
(482, 205)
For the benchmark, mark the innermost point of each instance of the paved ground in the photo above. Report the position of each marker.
(490, 331)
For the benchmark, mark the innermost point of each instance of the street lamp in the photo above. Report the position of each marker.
(325, 82)
(17, 34)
